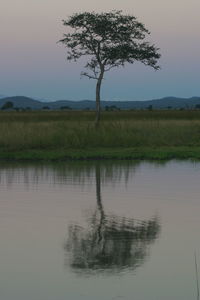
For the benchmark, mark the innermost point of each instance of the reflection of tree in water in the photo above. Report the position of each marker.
(110, 242)
(61, 173)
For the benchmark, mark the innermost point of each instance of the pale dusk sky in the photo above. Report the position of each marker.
(34, 65)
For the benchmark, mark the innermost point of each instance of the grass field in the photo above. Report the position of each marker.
(124, 134)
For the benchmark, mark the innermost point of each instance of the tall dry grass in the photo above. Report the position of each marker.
(60, 130)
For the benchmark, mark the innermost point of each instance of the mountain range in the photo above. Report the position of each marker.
(163, 103)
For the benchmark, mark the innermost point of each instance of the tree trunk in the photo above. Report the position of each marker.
(98, 98)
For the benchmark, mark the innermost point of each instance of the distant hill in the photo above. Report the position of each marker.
(2, 96)
(168, 102)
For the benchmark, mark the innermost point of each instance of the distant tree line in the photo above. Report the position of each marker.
(9, 105)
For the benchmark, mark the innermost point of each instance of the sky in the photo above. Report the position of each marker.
(33, 64)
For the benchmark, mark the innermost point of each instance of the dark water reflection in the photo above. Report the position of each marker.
(76, 172)
(109, 243)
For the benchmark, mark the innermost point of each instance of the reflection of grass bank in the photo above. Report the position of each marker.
(121, 135)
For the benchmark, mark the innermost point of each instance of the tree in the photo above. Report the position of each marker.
(65, 107)
(150, 107)
(7, 105)
(110, 40)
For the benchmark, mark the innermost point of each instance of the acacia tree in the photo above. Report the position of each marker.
(110, 40)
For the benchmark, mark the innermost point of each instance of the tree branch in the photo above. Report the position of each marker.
(89, 76)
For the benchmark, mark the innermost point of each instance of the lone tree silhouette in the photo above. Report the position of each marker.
(110, 40)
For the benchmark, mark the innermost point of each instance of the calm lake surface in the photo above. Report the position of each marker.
(91, 231)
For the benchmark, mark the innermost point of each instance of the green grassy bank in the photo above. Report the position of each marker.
(103, 154)
(121, 135)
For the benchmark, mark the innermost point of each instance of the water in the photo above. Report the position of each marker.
(99, 231)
